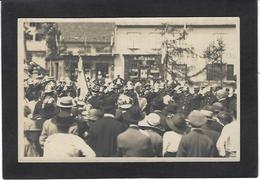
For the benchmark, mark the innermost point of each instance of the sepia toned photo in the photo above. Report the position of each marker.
(128, 89)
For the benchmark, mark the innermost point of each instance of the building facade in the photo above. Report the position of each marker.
(90, 41)
(35, 43)
(139, 50)
(134, 49)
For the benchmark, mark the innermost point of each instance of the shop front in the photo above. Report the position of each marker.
(94, 67)
(98, 66)
(142, 66)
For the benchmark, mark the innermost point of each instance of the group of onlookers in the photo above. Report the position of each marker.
(126, 119)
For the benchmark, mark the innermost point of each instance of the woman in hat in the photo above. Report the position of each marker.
(172, 138)
(151, 125)
(64, 115)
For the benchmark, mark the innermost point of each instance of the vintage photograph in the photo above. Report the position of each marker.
(128, 89)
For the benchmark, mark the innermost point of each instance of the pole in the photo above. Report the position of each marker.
(166, 66)
(221, 65)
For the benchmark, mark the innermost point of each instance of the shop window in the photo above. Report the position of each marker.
(102, 68)
(33, 24)
(230, 72)
(216, 71)
(142, 66)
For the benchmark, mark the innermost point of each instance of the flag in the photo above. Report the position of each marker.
(82, 83)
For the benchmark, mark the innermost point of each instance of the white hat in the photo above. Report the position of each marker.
(138, 84)
(151, 120)
(167, 99)
(124, 102)
(129, 85)
(177, 87)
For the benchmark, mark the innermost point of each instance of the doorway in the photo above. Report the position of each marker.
(102, 68)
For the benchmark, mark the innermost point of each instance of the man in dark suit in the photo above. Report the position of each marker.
(196, 143)
(103, 133)
(134, 142)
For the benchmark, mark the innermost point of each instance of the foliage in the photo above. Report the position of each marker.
(174, 47)
(214, 52)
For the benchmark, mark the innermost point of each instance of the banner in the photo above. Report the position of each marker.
(82, 83)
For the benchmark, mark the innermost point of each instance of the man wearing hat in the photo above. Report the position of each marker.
(224, 117)
(111, 91)
(149, 95)
(232, 102)
(213, 123)
(95, 98)
(196, 99)
(64, 116)
(31, 138)
(196, 143)
(123, 104)
(209, 98)
(221, 96)
(151, 125)
(103, 133)
(171, 108)
(30, 93)
(45, 108)
(157, 106)
(87, 119)
(65, 145)
(60, 86)
(172, 138)
(134, 142)
(131, 92)
(211, 127)
(119, 80)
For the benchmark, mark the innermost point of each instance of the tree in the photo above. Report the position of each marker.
(173, 47)
(215, 51)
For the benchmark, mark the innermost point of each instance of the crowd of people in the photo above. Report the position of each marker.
(129, 119)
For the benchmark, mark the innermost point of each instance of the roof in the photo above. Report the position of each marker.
(89, 32)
